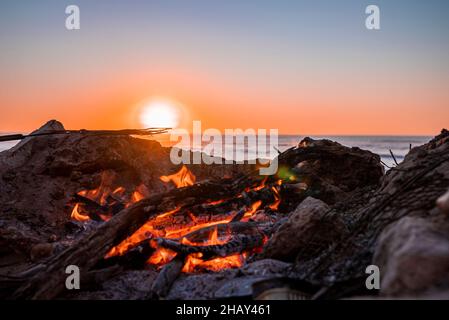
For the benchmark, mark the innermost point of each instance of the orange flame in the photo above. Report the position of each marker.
(101, 195)
(277, 201)
(253, 209)
(182, 178)
(194, 261)
(76, 215)
(161, 257)
(259, 187)
(144, 232)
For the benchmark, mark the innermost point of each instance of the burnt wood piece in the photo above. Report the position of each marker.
(233, 210)
(115, 205)
(134, 258)
(239, 215)
(237, 244)
(91, 207)
(86, 252)
(169, 273)
(231, 228)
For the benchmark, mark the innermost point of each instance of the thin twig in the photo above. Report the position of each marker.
(394, 158)
(137, 132)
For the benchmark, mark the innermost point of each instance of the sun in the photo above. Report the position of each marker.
(160, 113)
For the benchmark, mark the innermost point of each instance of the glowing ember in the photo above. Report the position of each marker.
(248, 214)
(140, 193)
(161, 257)
(194, 262)
(183, 178)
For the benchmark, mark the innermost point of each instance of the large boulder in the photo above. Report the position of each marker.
(330, 170)
(413, 256)
(308, 229)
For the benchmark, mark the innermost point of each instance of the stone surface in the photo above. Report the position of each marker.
(413, 256)
(443, 203)
(329, 170)
(232, 283)
(307, 227)
(128, 285)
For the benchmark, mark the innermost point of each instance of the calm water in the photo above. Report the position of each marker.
(377, 144)
(400, 145)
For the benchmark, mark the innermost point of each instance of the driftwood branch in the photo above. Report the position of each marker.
(124, 132)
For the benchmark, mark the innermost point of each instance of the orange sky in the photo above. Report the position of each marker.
(314, 71)
(110, 102)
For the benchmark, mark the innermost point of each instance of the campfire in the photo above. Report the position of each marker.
(210, 236)
(117, 208)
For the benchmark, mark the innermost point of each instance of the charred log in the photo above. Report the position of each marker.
(237, 244)
(169, 273)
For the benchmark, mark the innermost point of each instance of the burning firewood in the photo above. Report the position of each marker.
(135, 258)
(86, 253)
(237, 244)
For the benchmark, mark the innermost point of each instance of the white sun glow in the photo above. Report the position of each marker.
(160, 114)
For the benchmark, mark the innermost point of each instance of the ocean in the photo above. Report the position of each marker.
(380, 145)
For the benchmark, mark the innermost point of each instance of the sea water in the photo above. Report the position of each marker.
(381, 145)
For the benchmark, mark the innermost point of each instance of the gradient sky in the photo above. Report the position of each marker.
(306, 67)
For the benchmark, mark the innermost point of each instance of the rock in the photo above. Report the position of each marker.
(409, 190)
(200, 286)
(241, 287)
(443, 203)
(266, 267)
(308, 228)
(329, 170)
(343, 167)
(41, 250)
(413, 256)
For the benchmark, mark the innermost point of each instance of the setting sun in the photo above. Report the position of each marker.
(160, 113)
